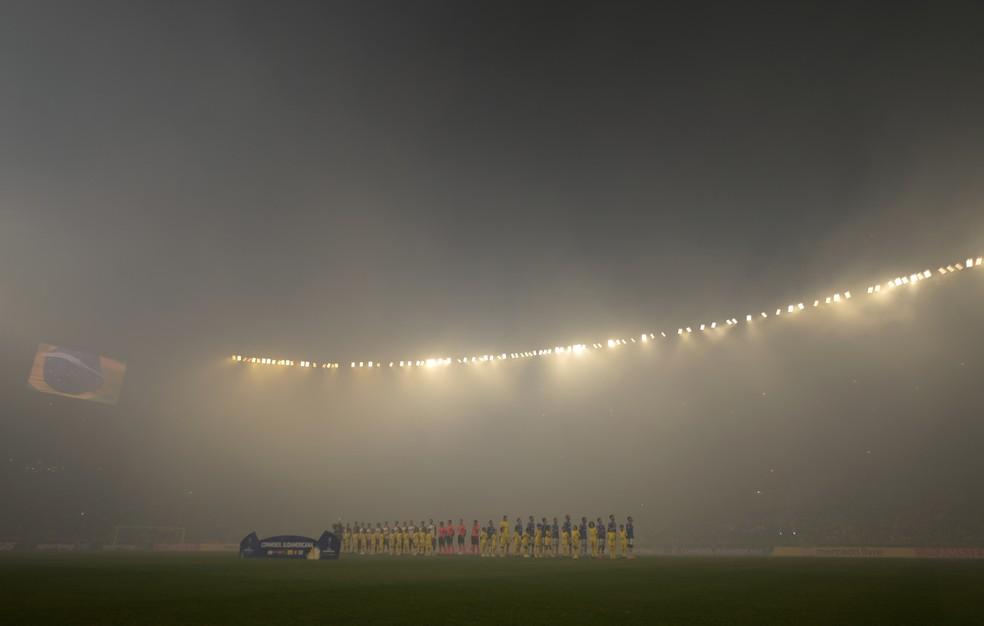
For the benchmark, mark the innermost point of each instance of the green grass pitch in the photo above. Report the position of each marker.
(221, 588)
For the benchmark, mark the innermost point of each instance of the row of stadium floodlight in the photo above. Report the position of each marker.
(576, 349)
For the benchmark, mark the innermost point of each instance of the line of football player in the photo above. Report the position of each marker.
(543, 539)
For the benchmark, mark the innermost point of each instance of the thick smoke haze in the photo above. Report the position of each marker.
(180, 182)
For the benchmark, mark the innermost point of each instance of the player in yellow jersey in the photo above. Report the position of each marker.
(503, 546)
(623, 540)
(575, 543)
(612, 537)
(565, 542)
(592, 540)
(538, 541)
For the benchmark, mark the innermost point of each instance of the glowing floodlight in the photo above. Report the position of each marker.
(875, 288)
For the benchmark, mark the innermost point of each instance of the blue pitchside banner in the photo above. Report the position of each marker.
(290, 547)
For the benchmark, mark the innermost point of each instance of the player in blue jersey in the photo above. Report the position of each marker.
(583, 532)
(555, 534)
(629, 537)
(600, 526)
(490, 539)
(517, 538)
(530, 534)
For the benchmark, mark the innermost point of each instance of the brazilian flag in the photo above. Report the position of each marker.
(77, 374)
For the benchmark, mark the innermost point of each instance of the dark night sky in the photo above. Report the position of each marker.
(180, 181)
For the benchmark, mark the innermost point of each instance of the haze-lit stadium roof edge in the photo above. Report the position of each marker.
(833, 299)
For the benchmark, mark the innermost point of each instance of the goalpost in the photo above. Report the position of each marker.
(146, 537)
